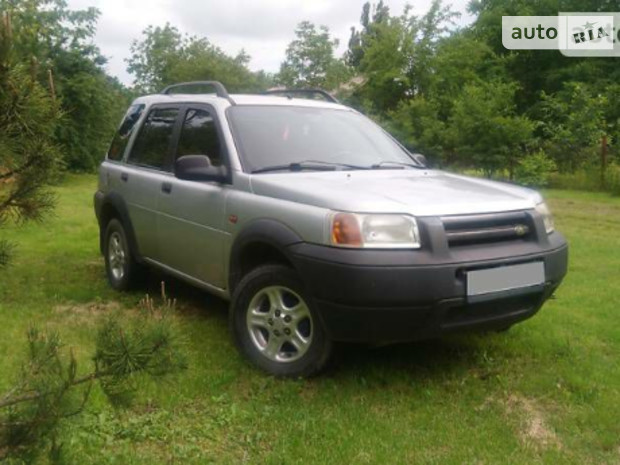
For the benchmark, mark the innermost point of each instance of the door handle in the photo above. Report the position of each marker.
(166, 187)
(124, 177)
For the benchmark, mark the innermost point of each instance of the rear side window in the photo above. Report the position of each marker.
(119, 143)
(199, 136)
(152, 144)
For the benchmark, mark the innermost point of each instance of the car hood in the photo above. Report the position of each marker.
(416, 192)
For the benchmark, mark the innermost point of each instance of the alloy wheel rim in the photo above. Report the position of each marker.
(116, 256)
(280, 324)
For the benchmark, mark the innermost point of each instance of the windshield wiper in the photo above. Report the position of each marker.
(401, 165)
(316, 165)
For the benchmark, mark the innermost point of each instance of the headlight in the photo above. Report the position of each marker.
(544, 211)
(374, 231)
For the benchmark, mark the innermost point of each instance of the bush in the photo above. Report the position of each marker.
(583, 180)
(612, 183)
(588, 179)
(534, 170)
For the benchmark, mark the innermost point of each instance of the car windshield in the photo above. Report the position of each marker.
(281, 136)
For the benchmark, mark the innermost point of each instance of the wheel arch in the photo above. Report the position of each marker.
(261, 242)
(111, 206)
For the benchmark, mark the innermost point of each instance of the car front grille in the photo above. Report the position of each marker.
(483, 229)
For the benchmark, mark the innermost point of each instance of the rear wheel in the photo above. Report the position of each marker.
(275, 325)
(121, 268)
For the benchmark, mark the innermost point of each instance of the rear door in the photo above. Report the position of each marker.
(149, 164)
(191, 213)
(115, 171)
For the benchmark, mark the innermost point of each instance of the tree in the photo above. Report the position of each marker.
(386, 65)
(571, 98)
(29, 158)
(422, 121)
(60, 39)
(573, 124)
(154, 58)
(418, 125)
(460, 60)
(164, 56)
(540, 70)
(359, 38)
(396, 54)
(310, 60)
(93, 104)
(485, 130)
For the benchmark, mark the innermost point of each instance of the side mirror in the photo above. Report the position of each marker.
(421, 159)
(198, 168)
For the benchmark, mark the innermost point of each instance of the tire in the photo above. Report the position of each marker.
(121, 268)
(271, 303)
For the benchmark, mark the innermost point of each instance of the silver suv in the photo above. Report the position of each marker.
(316, 224)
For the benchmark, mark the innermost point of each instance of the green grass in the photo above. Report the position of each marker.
(547, 391)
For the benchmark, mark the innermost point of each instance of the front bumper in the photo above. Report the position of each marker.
(392, 296)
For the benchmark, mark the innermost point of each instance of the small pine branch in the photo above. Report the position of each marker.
(6, 252)
(49, 389)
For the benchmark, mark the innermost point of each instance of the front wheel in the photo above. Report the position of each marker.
(275, 325)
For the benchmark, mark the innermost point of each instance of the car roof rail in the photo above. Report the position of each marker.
(220, 90)
(304, 93)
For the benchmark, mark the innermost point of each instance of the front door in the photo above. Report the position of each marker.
(191, 213)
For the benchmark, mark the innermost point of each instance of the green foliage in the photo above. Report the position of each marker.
(613, 180)
(29, 158)
(94, 104)
(540, 71)
(485, 129)
(310, 61)
(417, 124)
(31, 419)
(414, 73)
(462, 99)
(443, 94)
(125, 355)
(164, 56)
(461, 60)
(385, 65)
(395, 54)
(59, 40)
(358, 42)
(49, 389)
(535, 169)
(46, 28)
(588, 179)
(573, 125)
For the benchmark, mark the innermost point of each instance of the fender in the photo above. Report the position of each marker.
(114, 201)
(263, 231)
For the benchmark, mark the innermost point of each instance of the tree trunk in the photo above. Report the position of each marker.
(603, 160)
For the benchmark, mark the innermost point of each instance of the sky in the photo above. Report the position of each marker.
(262, 27)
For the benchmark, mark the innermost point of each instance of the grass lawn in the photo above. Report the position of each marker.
(547, 391)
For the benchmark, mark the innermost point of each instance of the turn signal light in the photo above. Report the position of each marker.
(346, 230)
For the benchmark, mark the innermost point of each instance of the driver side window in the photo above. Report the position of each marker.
(199, 136)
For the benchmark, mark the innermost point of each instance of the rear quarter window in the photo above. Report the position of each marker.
(121, 138)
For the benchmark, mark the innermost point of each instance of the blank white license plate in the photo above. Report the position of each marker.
(505, 278)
